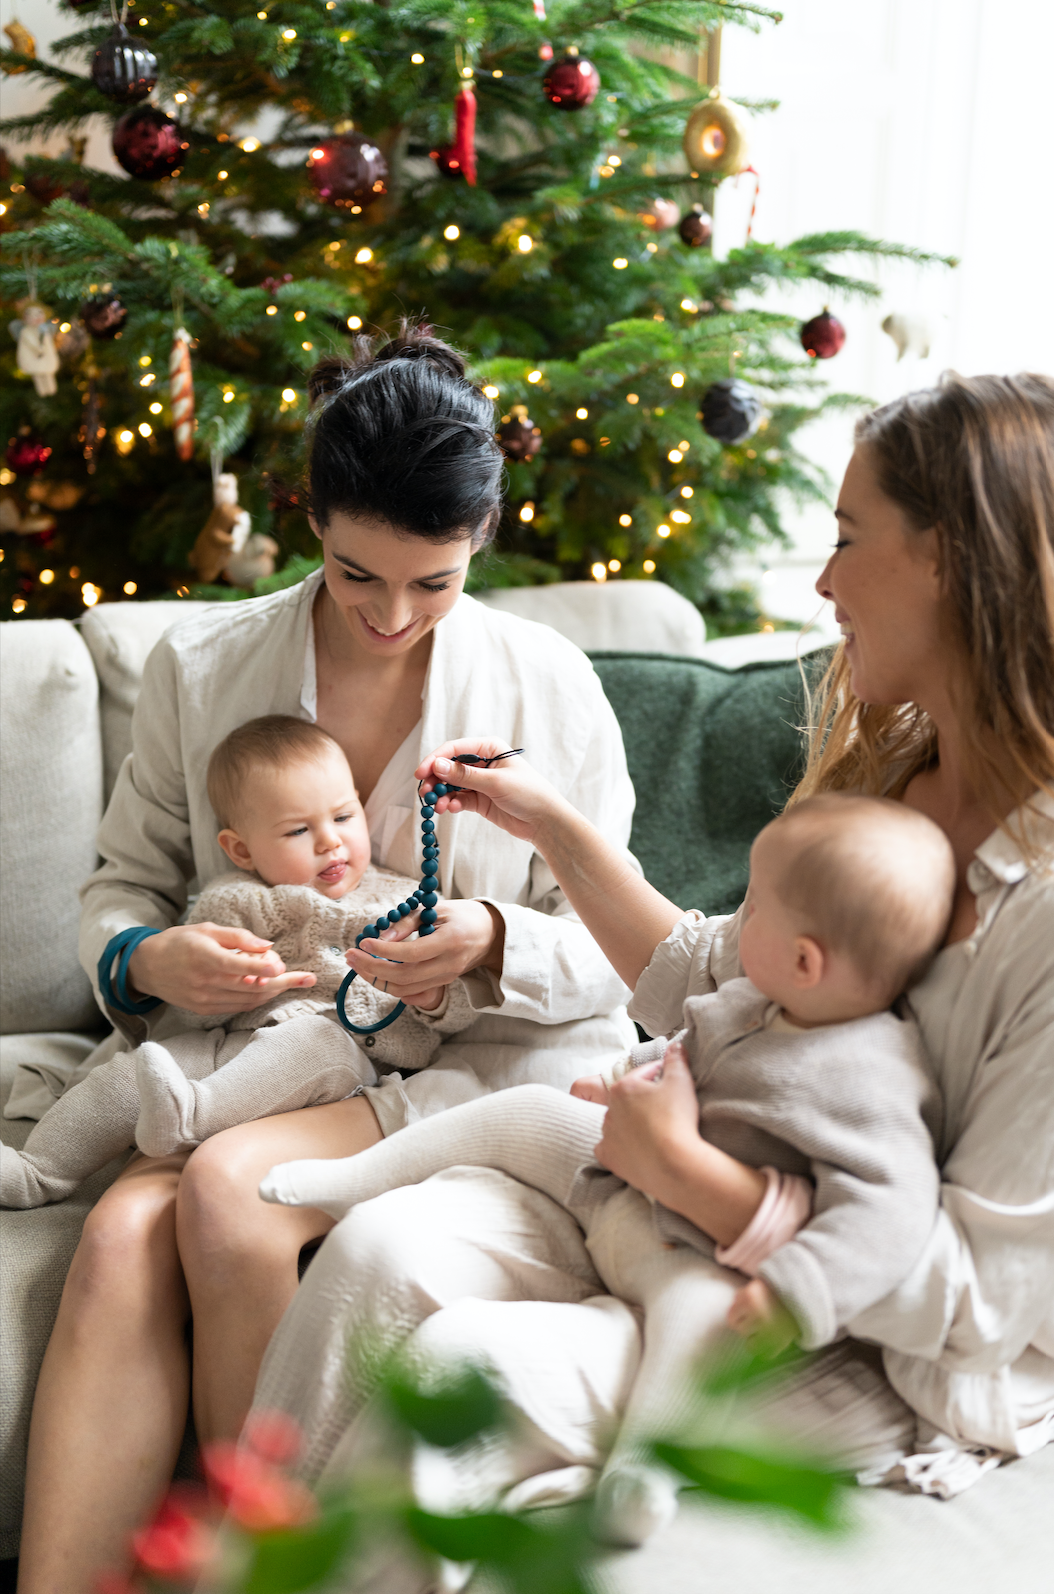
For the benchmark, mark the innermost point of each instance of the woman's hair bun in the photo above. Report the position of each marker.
(329, 376)
(400, 434)
(414, 341)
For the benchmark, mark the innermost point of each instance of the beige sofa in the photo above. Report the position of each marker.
(66, 698)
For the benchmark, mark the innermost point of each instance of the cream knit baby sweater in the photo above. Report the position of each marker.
(311, 932)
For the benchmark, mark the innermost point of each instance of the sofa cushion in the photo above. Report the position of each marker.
(713, 755)
(647, 616)
(119, 637)
(994, 1539)
(51, 807)
(37, 1248)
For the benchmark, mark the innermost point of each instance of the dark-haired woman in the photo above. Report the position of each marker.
(383, 649)
(941, 697)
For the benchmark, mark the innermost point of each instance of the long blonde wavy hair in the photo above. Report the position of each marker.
(974, 459)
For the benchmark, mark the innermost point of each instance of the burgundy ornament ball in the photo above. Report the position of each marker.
(149, 144)
(104, 315)
(348, 171)
(123, 69)
(823, 336)
(27, 453)
(518, 437)
(696, 229)
(572, 83)
(42, 184)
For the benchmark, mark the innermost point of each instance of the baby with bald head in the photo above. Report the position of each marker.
(849, 899)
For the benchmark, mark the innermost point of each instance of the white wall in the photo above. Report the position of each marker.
(927, 122)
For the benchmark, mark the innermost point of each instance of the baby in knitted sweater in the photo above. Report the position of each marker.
(807, 1068)
(294, 828)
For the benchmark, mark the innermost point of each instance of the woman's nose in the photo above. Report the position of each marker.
(823, 584)
(394, 615)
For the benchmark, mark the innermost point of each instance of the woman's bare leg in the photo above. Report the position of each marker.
(240, 1254)
(111, 1401)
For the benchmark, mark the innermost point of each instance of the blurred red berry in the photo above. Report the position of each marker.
(256, 1494)
(274, 1436)
(176, 1543)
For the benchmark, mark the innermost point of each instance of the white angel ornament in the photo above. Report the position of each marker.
(37, 354)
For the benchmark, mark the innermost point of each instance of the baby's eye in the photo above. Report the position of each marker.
(301, 830)
(342, 819)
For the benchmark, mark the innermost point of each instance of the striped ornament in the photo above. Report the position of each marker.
(181, 392)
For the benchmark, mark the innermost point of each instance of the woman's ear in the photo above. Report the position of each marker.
(810, 961)
(313, 523)
(235, 848)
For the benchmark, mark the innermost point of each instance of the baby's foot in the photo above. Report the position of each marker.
(331, 1184)
(23, 1183)
(632, 1503)
(166, 1103)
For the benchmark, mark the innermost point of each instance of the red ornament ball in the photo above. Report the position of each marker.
(149, 144)
(448, 161)
(518, 437)
(696, 229)
(349, 171)
(823, 336)
(572, 83)
(123, 68)
(27, 453)
(104, 316)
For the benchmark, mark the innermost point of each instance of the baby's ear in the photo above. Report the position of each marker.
(235, 848)
(810, 963)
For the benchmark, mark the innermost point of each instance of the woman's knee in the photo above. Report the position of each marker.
(127, 1251)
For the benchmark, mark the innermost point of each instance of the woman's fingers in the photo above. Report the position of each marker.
(463, 939)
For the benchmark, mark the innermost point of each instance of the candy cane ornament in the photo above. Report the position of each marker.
(465, 133)
(181, 393)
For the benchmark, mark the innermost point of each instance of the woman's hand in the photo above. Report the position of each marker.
(209, 969)
(468, 935)
(511, 795)
(651, 1139)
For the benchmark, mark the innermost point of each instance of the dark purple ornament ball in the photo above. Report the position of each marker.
(348, 171)
(104, 315)
(696, 228)
(149, 144)
(124, 69)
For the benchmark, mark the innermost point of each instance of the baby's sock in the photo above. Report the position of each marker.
(166, 1101)
(90, 1124)
(278, 1068)
(632, 1502)
(533, 1132)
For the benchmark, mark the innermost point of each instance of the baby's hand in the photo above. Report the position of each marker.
(428, 1001)
(759, 1315)
(592, 1087)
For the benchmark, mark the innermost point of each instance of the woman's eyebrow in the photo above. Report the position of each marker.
(843, 514)
(351, 564)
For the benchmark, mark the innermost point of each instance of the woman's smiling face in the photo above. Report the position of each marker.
(390, 589)
(884, 581)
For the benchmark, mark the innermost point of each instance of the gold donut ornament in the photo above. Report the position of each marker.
(715, 139)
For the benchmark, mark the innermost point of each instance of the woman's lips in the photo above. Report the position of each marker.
(333, 872)
(387, 636)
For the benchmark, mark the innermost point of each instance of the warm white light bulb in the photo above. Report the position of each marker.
(289, 394)
(451, 232)
(525, 243)
(598, 572)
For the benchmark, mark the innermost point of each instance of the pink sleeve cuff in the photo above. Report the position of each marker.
(785, 1207)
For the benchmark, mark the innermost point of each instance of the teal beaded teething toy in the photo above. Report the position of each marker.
(424, 897)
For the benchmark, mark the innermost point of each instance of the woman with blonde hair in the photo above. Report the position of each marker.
(941, 696)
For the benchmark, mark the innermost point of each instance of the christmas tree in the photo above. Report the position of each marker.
(309, 171)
